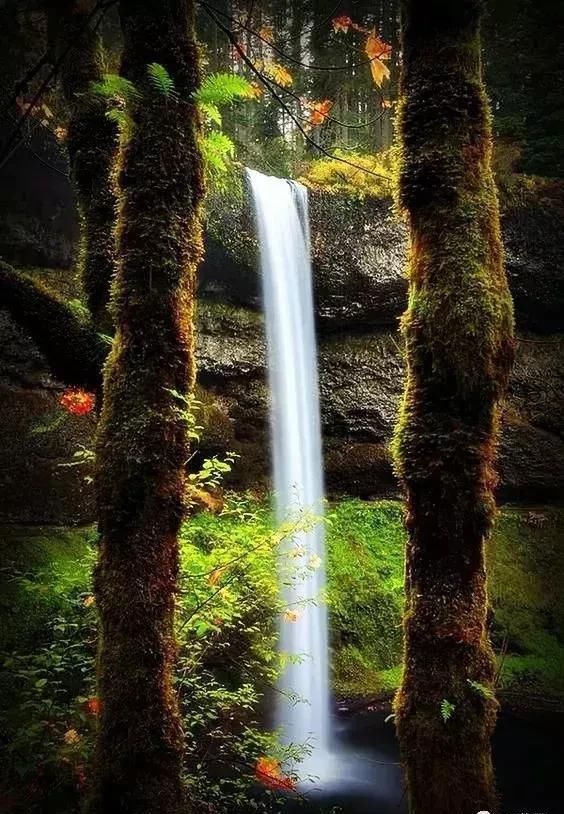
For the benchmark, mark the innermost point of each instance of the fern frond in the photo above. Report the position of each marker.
(223, 88)
(211, 112)
(114, 86)
(217, 150)
(481, 689)
(447, 709)
(161, 80)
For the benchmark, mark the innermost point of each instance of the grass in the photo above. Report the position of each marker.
(365, 590)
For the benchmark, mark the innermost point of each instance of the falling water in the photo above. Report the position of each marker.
(281, 208)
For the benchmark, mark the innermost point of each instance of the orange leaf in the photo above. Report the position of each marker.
(342, 23)
(269, 773)
(376, 48)
(319, 111)
(379, 71)
(267, 33)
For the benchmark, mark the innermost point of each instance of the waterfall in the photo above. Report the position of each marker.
(302, 711)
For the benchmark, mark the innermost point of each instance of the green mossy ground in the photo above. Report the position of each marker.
(365, 567)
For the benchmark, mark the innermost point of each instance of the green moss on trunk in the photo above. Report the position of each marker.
(458, 331)
(142, 441)
(92, 143)
(73, 349)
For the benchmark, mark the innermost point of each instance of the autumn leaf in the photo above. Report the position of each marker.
(378, 50)
(269, 773)
(291, 615)
(267, 33)
(215, 576)
(342, 23)
(386, 104)
(255, 91)
(93, 706)
(77, 401)
(278, 73)
(319, 112)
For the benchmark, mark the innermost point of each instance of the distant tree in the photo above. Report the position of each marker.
(458, 330)
(92, 142)
(142, 438)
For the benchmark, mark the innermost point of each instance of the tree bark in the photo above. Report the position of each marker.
(459, 336)
(92, 143)
(142, 440)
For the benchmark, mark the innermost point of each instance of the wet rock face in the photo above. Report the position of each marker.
(361, 379)
(359, 252)
(359, 256)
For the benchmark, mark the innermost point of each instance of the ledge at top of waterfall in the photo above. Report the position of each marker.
(281, 209)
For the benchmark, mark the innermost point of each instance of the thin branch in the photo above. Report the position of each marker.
(15, 137)
(250, 64)
(282, 53)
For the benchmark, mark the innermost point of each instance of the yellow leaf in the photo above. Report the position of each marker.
(278, 73)
(379, 71)
(377, 50)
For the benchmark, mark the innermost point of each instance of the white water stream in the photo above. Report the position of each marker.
(281, 208)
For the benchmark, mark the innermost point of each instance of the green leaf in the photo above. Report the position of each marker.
(161, 80)
(481, 689)
(222, 88)
(114, 86)
(211, 112)
(447, 709)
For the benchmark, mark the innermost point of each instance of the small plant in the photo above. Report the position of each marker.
(447, 710)
(481, 689)
(162, 81)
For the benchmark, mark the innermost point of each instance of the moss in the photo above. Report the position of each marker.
(526, 564)
(459, 338)
(92, 143)
(142, 443)
(366, 558)
(72, 347)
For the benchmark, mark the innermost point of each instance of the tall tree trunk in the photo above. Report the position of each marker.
(459, 335)
(92, 143)
(142, 441)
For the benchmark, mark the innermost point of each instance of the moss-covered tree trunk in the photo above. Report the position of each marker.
(142, 441)
(92, 142)
(458, 330)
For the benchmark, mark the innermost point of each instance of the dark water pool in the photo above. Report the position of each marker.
(527, 756)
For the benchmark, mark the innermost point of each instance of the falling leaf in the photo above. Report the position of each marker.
(342, 23)
(386, 104)
(319, 112)
(89, 601)
(60, 133)
(296, 551)
(290, 615)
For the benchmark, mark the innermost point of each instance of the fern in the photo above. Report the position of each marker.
(211, 112)
(447, 709)
(116, 88)
(223, 88)
(217, 150)
(161, 80)
(481, 689)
